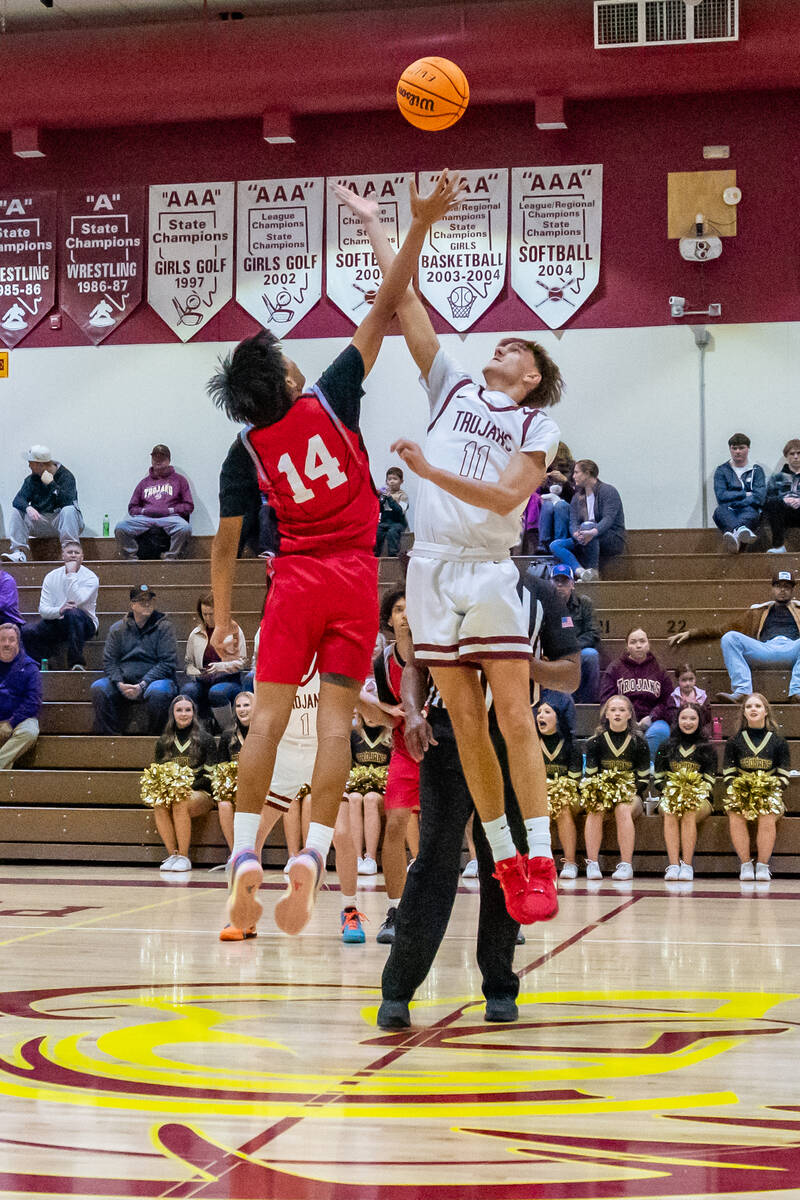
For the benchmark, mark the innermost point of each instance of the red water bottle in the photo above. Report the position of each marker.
(716, 729)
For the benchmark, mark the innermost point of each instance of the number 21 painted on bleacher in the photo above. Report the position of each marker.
(319, 464)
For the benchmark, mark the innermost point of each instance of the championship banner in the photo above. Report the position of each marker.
(190, 274)
(101, 254)
(462, 267)
(279, 250)
(27, 262)
(556, 225)
(353, 275)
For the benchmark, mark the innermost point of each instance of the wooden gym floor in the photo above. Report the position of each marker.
(656, 1054)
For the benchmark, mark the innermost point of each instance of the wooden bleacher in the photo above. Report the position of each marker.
(75, 796)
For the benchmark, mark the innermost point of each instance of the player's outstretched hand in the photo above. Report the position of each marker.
(445, 195)
(365, 207)
(412, 456)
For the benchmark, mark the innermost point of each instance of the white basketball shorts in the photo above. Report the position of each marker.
(293, 767)
(463, 612)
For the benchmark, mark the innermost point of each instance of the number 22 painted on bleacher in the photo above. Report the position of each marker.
(319, 464)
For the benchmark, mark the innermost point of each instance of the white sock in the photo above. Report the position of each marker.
(349, 902)
(392, 903)
(499, 838)
(245, 830)
(319, 838)
(538, 831)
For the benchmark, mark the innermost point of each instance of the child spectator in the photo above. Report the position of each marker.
(756, 769)
(686, 766)
(562, 762)
(617, 775)
(177, 785)
(392, 522)
(371, 748)
(687, 692)
(638, 675)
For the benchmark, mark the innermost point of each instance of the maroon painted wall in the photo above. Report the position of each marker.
(637, 141)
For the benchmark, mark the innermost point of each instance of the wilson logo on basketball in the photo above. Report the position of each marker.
(416, 101)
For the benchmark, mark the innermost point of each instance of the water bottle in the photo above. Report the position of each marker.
(716, 730)
(44, 666)
(106, 526)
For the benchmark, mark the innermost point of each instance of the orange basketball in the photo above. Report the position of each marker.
(432, 93)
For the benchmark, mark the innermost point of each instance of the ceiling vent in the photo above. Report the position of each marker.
(664, 22)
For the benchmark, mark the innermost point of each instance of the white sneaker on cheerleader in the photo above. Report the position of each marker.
(470, 870)
(593, 869)
(569, 871)
(367, 866)
(293, 911)
(624, 871)
(672, 872)
(687, 872)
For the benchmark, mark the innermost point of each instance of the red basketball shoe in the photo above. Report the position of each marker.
(512, 875)
(541, 902)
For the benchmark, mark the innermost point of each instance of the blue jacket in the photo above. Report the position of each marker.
(608, 514)
(780, 484)
(20, 689)
(729, 490)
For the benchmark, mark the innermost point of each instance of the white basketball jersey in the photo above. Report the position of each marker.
(298, 746)
(473, 432)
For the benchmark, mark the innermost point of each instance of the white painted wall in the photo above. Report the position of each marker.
(631, 404)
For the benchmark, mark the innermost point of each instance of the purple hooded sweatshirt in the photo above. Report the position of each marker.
(646, 684)
(9, 600)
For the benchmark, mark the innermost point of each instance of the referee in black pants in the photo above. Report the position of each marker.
(445, 807)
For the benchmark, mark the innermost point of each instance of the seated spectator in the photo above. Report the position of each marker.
(140, 662)
(45, 506)
(556, 492)
(563, 764)
(783, 497)
(741, 490)
(581, 612)
(638, 675)
(529, 540)
(616, 778)
(685, 794)
(756, 769)
(765, 635)
(392, 522)
(370, 750)
(596, 523)
(162, 500)
(687, 692)
(213, 682)
(67, 606)
(177, 786)
(9, 601)
(20, 697)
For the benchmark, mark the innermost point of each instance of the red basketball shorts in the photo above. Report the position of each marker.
(402, 783)
(326, 607)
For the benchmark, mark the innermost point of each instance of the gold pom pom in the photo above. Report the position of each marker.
(562, 792)
(754, 794)
(367, 779)
(166, 783)
(684, 790)
(607, 789)
(223, 781)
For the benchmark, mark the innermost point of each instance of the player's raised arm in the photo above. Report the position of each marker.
(523, 475)
(415, 323)
(426, 210)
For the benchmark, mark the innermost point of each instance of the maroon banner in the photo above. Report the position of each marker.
(101, 248)
(27, 262)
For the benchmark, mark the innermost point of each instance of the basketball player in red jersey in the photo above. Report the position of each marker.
(313, 467)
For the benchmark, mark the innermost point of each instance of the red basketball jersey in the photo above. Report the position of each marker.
(315, 473)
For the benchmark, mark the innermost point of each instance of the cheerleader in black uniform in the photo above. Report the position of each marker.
(617, 776)
(685, 770)
(563, 763)
(177, 785)
(371, 749)
(756, 769)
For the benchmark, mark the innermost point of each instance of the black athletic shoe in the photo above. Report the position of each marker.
(394, 1014)
(503, 1008)
(386, 931)
(520, 938)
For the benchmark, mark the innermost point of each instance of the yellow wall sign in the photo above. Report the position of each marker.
(3, 364)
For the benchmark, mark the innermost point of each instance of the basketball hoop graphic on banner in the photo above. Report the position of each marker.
(556, 226)
(462, 267)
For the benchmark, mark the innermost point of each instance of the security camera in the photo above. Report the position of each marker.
(677, 306)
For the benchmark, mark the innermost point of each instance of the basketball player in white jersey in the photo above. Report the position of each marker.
(486, 452)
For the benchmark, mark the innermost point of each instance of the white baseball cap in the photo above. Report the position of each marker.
(38, 454)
